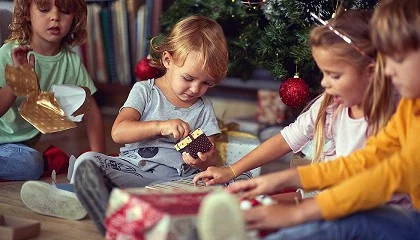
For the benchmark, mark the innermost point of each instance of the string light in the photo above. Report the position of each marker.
(253, 3)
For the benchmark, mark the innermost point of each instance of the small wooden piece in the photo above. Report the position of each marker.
(14, 228)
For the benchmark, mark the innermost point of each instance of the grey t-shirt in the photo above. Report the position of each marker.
(151, 103)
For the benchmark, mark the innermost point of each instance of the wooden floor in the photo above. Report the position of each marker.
(72, 142)
(51, 228)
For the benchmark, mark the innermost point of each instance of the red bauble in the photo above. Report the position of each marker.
(294, 92)
(144, 71)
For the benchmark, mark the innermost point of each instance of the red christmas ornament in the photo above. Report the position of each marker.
(294, 91)
(254, 202)
(144, 71)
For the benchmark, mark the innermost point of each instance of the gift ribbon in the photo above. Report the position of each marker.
(230, 129)
(40, 109)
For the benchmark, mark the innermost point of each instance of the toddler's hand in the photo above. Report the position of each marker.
(202, 162)
(175, 127)
(20, 56)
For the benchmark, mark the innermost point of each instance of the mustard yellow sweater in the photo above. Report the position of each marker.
(367, 178)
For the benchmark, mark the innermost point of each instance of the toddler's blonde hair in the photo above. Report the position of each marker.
(195, 33)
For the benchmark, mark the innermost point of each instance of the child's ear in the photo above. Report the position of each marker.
(371, 71)
(167, 59)
(27, 17)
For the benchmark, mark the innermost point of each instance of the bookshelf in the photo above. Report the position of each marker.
(137, 21)
(117, 34)
(118, 37)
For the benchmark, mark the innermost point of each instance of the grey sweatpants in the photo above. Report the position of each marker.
(124, 173)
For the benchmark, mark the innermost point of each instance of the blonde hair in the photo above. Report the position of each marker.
(378, 97)
(195, 33)
(21, 28)
(396, 26)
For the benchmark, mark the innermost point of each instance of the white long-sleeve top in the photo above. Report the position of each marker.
(343, 133)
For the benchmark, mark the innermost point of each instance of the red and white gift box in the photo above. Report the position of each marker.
(270, 109)
(139, 214)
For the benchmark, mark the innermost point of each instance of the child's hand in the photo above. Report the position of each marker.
(203, 160)
(214, 175)
(280, 215)
(266, 184)
(175, 127)
(271, 217)
(252, 187)
(20, 56)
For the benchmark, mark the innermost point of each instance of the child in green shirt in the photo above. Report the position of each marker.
(46, 30)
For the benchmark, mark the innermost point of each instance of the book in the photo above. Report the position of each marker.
(157, 11)
(121, 42)
(89, 44)
(181, 185)
(101, 73)
(108, 33)
(140, 36)
(148, 26)
(132, 12)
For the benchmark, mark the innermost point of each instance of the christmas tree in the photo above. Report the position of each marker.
(270, 34)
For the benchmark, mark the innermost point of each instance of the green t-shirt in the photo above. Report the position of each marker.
(63, 68)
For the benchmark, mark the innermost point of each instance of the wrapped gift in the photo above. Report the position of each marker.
(47, 111)
(194, 143)
(270, 109)
(249, 126)
(138, 214)
(232, 145)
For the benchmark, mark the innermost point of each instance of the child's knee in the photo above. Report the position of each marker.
(32, 168)
(35, 170)
(87, 156)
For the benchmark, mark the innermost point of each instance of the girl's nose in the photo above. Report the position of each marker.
(55, 14)
(389, 69)
(324, 82)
